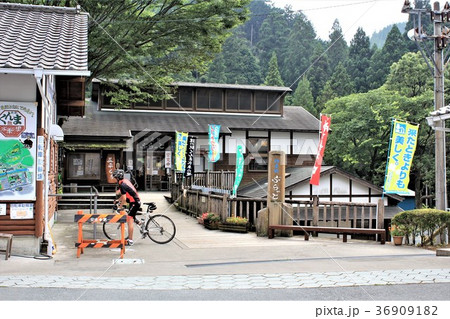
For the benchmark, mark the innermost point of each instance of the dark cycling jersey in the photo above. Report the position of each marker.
(126, 188)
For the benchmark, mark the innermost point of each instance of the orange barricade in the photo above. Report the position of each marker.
(82, 243)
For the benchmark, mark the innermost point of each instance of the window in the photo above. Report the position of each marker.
(183, 98)
(267, 102)
(209, 99)
(258, 150)
(84, 166)
(239, 100)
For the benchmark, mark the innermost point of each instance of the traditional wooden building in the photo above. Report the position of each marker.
(43, 62)
(141, 136)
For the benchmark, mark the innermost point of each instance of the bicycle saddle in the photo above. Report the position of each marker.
(151, 206)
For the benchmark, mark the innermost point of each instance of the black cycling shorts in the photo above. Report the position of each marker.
(134, 207)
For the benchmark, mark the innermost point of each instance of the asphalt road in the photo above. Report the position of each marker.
(423, 292)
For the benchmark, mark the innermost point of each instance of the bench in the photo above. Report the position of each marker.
(333, 230)
(9, 238)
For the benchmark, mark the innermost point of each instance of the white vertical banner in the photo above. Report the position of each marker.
(168, 159)
(18, 122)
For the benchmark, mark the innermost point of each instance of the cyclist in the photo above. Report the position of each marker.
(128, 194)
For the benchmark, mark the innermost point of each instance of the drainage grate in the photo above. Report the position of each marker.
(129, 261)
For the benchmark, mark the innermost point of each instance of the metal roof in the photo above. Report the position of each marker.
(44, 37)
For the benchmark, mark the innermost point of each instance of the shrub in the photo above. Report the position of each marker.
(422, 222)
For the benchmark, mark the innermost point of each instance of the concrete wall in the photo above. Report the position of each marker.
(17, 88)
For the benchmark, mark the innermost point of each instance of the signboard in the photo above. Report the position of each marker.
(168, 159)
(324, 129)
(277, 168)
(110, 167)
(2, 209)
(21, 211)
(401, 152)
(180, 151)
(40, 159)
(190, 152)
(214, 147)
(18, 151)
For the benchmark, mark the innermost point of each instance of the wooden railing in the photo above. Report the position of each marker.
(222, 180)
(305, 212)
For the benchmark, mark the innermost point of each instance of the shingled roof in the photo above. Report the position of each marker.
(49, 38)
(120, 123)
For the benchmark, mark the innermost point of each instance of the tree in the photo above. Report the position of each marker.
(150, 40)
(300, 43)
(358, 62)
(303, 97)
(217, 70)
(410, 76)
(340, 84)
(393, 49)
(338, 51)
(241, 64)
(319, 71)
(272, 37)
(361, 126)
(273, 77)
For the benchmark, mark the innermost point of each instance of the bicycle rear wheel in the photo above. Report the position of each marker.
(112, 231)
(160, 229)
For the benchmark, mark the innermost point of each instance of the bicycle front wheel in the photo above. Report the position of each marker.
(160, 229)
(112, 231)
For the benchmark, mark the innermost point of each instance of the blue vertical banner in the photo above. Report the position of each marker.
(180, 151)
(239, 169)
(402, 147)
(214, 147)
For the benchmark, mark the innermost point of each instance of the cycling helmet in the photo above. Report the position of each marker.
(118, 174)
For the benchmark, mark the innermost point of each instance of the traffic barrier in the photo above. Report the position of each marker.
(82, 243)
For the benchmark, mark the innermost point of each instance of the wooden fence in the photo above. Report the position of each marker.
(305, 212)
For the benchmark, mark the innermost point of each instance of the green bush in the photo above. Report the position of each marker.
(426, 223)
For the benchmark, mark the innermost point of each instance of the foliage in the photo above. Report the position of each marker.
(236, 220)
(150, 41)
(338, 51)
(361, 126)
(241, 64)
(394, 48)
(423, 222)
(358, 61)
(210, 217)
(396, 230)
(303, 97)
(273, 77)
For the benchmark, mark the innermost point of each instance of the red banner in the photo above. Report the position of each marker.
(324, 128)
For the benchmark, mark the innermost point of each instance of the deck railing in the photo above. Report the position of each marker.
(305, 212)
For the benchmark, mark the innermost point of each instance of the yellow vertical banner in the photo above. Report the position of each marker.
(180, 151)
(401, 153)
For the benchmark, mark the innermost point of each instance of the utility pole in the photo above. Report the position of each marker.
(440, 39)
(440, 163)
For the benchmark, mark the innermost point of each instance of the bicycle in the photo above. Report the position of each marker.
(159, 228)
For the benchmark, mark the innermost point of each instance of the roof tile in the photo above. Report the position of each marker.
(41, 36)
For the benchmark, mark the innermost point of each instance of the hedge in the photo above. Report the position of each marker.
(426, 223)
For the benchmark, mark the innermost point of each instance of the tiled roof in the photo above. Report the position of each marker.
(120, 123)
(51, 38)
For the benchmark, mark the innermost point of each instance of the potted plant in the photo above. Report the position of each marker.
(397, 233)
(235, 224)
(211, 221)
